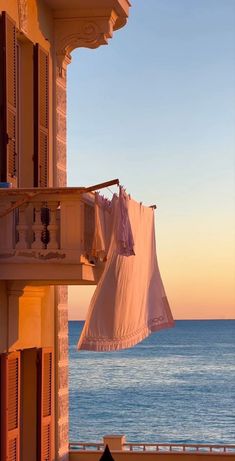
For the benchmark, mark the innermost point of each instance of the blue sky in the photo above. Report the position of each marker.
(156, 108)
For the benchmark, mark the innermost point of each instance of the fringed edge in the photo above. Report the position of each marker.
(104, 345)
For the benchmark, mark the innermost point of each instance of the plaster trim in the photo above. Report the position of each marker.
(23, 15)
(85, 32)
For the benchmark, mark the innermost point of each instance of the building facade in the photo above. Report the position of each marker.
(40, 254)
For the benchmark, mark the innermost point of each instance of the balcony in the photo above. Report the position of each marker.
(46, 236)
(122, 451)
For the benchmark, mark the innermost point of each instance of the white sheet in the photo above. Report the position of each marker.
(130, 301)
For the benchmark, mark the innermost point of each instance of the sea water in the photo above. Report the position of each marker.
(176, 386)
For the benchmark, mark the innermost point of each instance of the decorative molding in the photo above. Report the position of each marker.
(62, 291)
(63, 432)
(62, 61)
(63, 348)
(62, 373)
(63, 377)
(61, 154)
(23, 15)
(63, 320)
(63, 405)
(61, 177)
(61, 128)
(61, 97)
(83, 32)
(87, 34)
(16, 288)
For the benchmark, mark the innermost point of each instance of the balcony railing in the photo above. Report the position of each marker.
(180, 448)
(157, 448)
(47, 227)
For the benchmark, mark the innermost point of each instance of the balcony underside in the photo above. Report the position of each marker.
(51, 273)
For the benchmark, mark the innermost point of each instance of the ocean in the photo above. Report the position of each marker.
(177, 386)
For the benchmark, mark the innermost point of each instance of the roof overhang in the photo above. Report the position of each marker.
(85, 23)
(91, 8)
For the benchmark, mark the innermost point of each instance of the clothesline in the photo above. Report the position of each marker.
(28, 194)
(154, 207)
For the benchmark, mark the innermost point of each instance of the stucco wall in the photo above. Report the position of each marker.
(26, 316)
(38, 22)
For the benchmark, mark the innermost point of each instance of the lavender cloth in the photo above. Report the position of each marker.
(125, 241)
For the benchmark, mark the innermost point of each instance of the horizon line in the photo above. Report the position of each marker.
(177, 320)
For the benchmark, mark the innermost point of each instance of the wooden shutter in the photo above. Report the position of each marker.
(8, 100)
(41, 116)
(10, 406)
(45, 420)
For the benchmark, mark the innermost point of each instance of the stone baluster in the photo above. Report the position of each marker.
(53, 227)
(22, 229)
(37, 228)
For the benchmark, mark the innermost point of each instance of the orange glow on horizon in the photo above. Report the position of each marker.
(197, 262)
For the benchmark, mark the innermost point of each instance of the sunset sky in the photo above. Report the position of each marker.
(156, 108)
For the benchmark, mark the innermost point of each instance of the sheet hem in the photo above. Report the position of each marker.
(106, 345)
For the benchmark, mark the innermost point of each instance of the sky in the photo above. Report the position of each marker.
(156, 109)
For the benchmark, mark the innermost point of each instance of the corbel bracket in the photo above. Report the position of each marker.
(81, 32)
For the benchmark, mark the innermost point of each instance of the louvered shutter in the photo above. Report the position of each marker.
(41, 116)
(8, 100)
(10, 406)
(44, 398)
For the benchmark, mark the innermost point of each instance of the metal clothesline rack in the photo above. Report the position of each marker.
(30, 193)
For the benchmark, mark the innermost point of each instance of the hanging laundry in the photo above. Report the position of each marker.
(129, 302)
(103, 224)
(125, 241)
